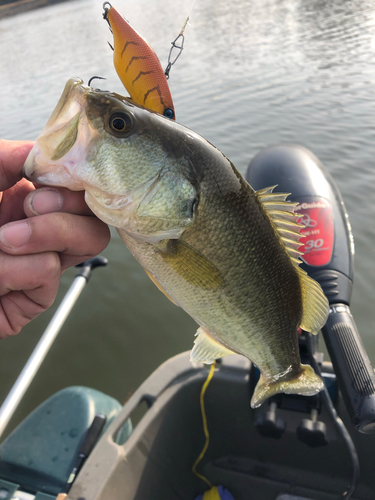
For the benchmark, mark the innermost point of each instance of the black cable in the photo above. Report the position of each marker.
(340, 426)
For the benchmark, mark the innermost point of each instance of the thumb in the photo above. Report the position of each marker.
(12, 157)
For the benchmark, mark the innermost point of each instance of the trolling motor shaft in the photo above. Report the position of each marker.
(354, 372)
(328, 258)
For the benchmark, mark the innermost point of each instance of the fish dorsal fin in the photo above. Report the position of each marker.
(207, 349)
(157, 284)
(192, 266)
(315, 306)
(283, 219)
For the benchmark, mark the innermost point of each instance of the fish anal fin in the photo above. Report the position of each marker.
(192, 266)
(156, 283)
(307, 383)
(315, 306)
(206, 348)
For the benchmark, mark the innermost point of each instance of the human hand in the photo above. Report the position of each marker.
(43, 231)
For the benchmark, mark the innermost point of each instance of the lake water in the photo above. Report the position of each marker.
(252, 74)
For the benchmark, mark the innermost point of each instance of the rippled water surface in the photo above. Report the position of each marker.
(252, 74)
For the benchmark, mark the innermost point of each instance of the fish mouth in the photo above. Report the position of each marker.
(63, 141)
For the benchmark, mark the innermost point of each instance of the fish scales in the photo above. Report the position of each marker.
(204, 236)
(232, 232)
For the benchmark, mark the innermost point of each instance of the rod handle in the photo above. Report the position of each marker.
(93, 434)
(86, 448)
(89, 265)
(352, 366)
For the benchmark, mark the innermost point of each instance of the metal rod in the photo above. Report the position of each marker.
(26, 376)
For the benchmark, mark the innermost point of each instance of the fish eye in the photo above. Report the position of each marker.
(120, 122)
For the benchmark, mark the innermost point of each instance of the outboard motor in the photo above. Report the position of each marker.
(328, 249)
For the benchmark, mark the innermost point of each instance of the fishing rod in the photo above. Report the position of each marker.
(29, 371)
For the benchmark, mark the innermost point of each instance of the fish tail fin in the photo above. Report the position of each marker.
(307, 383)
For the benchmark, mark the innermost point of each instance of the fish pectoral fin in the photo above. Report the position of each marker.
(207, 349)
(315, 307)
(192, 266)
(307, 383)
(160, 287)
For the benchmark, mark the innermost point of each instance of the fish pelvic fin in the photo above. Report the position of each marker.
(158, 285)
(207, 349)
(306, 383)
(315, 307)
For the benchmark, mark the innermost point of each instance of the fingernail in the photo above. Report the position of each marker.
(15, 234)
(44, 201)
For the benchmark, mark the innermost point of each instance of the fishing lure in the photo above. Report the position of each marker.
(138, 66)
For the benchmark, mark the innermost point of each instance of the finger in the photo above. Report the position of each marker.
(11, 207)
(28, 286)
(12, 157)
(75, 237)
(46, 200)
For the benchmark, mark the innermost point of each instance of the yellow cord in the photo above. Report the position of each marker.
(205, 429)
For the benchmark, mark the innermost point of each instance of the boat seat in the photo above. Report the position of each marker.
(38, 456)
(9, 491)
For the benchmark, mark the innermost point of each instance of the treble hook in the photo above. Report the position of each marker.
(95, 77)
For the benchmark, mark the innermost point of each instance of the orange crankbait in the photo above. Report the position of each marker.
(138, 66)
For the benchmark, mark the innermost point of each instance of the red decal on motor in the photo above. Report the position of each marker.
(316, 215)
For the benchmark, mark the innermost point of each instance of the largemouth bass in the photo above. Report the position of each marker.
(224, 253)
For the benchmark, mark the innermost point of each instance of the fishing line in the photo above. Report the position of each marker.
(340, 427)
(187, 19)
(180, 47)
